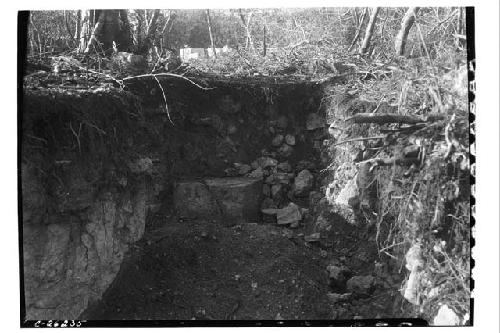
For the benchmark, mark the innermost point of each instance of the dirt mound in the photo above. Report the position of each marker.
(201, 270)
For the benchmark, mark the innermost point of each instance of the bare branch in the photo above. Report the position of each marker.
(358, 30)
(372, 118)
(359, 139)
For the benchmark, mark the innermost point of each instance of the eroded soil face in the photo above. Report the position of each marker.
(185, 270)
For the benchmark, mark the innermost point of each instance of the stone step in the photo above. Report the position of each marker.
(232, 199)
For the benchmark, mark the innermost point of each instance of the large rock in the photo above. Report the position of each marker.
(236, 200)
(289, 214)
(446, 317)
(347, 195)
(414, 264)
(72, 256)
(303, 183)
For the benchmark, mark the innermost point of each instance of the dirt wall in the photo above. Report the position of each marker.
(95, 164)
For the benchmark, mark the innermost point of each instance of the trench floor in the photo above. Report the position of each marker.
(202, 270)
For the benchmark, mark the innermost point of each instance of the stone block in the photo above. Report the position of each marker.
(234, 199)
(289, 214)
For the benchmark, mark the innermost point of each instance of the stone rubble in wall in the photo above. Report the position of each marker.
(282, 183)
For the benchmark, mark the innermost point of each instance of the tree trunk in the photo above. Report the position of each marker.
(166, 29)
(369, 30)
(68, 28)
(78, 25)
(265, 45)
(406, 24)
(355, 16)
(246, 25)
(210, 33)
(355, 39)
(145, 45)
(111, 26)
(96, 31)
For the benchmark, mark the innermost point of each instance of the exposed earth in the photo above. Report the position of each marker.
(202, 270)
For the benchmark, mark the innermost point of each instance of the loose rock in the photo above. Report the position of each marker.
(303, 183)
(322, 224)
(338, 276)
(361, 285)
(257, 173)
(281, 178)
(265, 162)
(285, 167)
(289, 214)
(278, 140)
(337, 298)
(243, 169)
(290, 140)
(312, 237)
(285, 150)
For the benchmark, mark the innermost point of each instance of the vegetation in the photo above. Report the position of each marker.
(262, 40)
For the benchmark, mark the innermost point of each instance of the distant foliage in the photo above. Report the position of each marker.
(158, 30)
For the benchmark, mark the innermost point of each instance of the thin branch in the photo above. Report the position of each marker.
(393, 161)
(167, 74)
(373, 118)
(164, 98)
(95, 127)
(358, 139)
(77, 136)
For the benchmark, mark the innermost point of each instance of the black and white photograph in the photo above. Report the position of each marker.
(253, 166)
